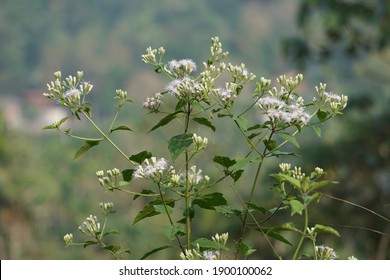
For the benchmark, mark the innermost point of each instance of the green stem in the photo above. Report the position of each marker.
(303, 234)
(169, 217)
(107, 138)
(186, 194)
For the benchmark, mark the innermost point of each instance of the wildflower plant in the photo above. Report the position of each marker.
(202, 94)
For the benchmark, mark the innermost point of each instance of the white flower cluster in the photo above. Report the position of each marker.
(184, 88)
(280, 111)
(68, 238)
(181, 68)
(325, 253)
(153, 103)
(152, 168)
(226, 95)
(239, 73)
(200, 143)
(194, 177)
(335, 101)
(107, 207)
(69, 92)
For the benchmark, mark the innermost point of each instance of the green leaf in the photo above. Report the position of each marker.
(161, 209)
(89, 242)
(164, 121)
(127, 174)
(271, 233)
(140, 157)
(111, 232)
(326, 229)
(57, 124)
(178, 144)
(296, 207)
(256, 207)
(155, 251)
(317, 130)
(322, 115)
(283, 177)
(88, 145)
(224, 161)
(242, 122)
(288, 227)
(236, 175)
(289, 138)
(244, 161)
(208, 201)
(229, 210)
(171, 232)
(320, 184)
(205, 243)
(143, 192)
(205, 122)
(150, 211)
(122, 127)
(245, 250)
(180, 104)
(270, 144)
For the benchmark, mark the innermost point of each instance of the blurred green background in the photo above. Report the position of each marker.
(44, 194)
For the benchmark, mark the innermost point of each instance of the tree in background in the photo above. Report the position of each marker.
(351, 39)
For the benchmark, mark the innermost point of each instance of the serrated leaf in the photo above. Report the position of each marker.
(87, 146)
(205, 122)
(155, 251)
(140, 157)
(296, 207)
(208, 201)
(326, 229)
(150, 211)
(205, 243)
(224, 161)
(229, 210)
(178, 144)
(127, 174)
(122, 127)
(289, 138)
(162, 210)
(171, 232)
(164, 121)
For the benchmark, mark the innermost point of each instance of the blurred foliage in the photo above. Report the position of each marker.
(44, 194)
(351, 40)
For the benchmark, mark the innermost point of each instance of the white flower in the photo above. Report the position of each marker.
(72, 94)
(183, 88)
(153, 103)
(210, 255)
(325, 253)
(151, 169)
(181, 68)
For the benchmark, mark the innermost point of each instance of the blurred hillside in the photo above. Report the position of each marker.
(45, 194)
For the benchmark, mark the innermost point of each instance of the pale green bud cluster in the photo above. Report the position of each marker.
(285, 167)
(90, 226)
(289, 84)
(216, 50)
(298, 174)
(107, 207)
(221, 239)
(200, 143)
(121, 95)
(240, 74)
(191, 254)
(110, 180)
(68, 238)
(195, 176)
(153, 103)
